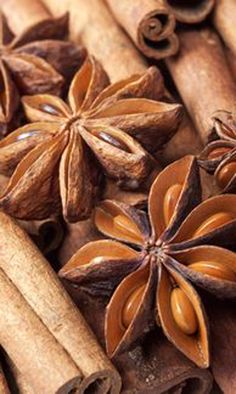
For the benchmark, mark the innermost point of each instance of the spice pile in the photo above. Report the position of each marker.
(117, 196)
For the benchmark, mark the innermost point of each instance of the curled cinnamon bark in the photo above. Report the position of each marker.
(203, 77)
(28, 270)
(190, 11)
(224, 21)
(150, 25)
(92, 23)
(4, 389)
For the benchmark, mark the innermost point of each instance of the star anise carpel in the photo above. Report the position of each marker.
(219, 156)
(63, 150)
(32, 63)
(181, 244)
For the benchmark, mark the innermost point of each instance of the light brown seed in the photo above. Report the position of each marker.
(170, 200)
(215, 269)
(183, 312)
(212, 223)
(131, 305)
(226, 173)
(127, 228)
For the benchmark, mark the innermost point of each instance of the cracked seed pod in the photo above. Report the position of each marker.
(219, 157)
(63, 150)
(180, 245)
(30, 64)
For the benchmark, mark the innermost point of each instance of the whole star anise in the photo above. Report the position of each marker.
(172, 251)
(54, 154)
(219, 157)
(31, 63)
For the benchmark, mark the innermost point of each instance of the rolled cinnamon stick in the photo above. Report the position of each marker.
(31, 16)
(47, 234)
(149, 24)
(190, 11)
(29, 343)
(92, 23)
(203, 77)
(35, 280)
(21, 381)
(224, 21)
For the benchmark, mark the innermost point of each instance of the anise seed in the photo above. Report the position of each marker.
(183, 312)
(215, 269)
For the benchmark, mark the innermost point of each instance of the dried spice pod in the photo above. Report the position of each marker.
(219, 157)
(193, 11)
(100, 126)
(197, 72)
(30, 64)
(149, 24)
(184, 243)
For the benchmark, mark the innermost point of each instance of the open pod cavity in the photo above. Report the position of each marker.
(182, 316)
(210, 267)
(9, 98)
(122, 222)
(225, 173)
(100, 266)
(171, 196)
(213, 222)
(190, 11)
(130, 310)
(214, 153)
(45, 108)
(41, 163)
(87, 83)
(225, 125)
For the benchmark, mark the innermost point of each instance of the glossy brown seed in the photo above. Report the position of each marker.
(215, 269)
(131, 305)
(126, 227)
(170, 200)
(113, 141)
(99, 259)
(50, 109)
(218, 152)
(183, 312)
(212, 223)
(226, 173)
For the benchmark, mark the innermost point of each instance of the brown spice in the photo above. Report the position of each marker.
(224, 21)
(197, 71)
(149, 24)
(190, 11)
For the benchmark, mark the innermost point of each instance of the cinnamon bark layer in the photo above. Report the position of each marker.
(26, 268)
(203, 78)
(92, 23)
(154, 367)
(224, 20)
(190, 11)
(4, 389)
(149, 24)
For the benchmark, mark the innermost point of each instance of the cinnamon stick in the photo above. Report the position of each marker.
(149, 24)
(27, 269)
(47, 234)
(29, 343)
(26, 15)
(224, 21)
(4, 389)
(21, 381)
(190, 11)
(92, 23)
(203, 78)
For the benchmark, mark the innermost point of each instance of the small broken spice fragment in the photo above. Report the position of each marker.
(181, 244)
(219, 157)
(58, 157)
(31, 63)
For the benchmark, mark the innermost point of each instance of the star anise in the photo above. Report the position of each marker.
(172, 250)
(55, 153)
(30, 64)
(219, 157)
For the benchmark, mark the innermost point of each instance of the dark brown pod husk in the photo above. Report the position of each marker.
(230, 187)
(210, 164)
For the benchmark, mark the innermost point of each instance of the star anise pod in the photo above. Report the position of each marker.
(55, 152)
(30, 64)
(173, 249)
(219, 156)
